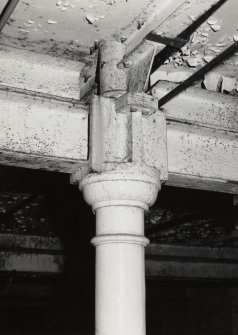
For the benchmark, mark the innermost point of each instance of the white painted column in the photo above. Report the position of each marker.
(119, 198)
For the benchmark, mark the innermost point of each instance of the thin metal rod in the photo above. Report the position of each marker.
(162, 56)
(7, 12)
(199, 74)
(175, 42)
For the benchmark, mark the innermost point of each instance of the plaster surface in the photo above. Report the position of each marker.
(43, 25)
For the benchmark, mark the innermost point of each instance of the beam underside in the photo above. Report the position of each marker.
(50, 131)
(49, 134)
(42, 255)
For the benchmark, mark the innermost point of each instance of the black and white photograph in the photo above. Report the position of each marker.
(118, 167)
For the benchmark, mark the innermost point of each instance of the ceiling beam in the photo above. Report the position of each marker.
(200, 107)
(45, 255)
(40, 73)
(191, 263)
(202, 150)
(185, 21)
(43, 126)
(40, 162)
(202, 131)
(150, 20)
(204, 153)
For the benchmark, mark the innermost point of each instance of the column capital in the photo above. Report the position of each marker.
(127, 131)
(128, 184)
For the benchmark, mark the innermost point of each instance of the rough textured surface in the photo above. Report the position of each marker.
(43, 126)
(40, 73)
(206, 42)
(209, 109)
(140, 130)
(72, 26)
(202, 152)
(193, 150)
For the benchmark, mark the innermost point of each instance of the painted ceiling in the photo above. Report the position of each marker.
(41, 24)
(69, 28)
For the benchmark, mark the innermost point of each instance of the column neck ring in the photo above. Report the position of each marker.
(120, 238)
(127, 203)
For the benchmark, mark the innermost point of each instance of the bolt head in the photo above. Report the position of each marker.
(134, 109)
(96, 44)
(127, 64)
(145, 112)
(92, 50)
(123, 39)
(140, 24)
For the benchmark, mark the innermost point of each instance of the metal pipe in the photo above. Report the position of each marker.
(7, 12)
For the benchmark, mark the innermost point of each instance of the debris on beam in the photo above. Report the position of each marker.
(198, 75)
(149, 20)
(185, 21)
(209, 109)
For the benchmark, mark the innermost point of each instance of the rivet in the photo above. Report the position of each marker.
(127, 64)
(140, 24)
(134, 109)
(96, 44)
(92, 50)
(145, 112)
(123, 39)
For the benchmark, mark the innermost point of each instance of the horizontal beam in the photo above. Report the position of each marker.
(150, 19)
(202, 152)
(40, 73)
(30, 243)
(40, 162)
(46, 255)
(191, 263)
(31, 262)
(51, 133)
(40, 125)
(201, 139)
(185, 21)
(200, 107)
(184, 180)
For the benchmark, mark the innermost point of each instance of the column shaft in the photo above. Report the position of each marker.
(120, 271)
(119, 198)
